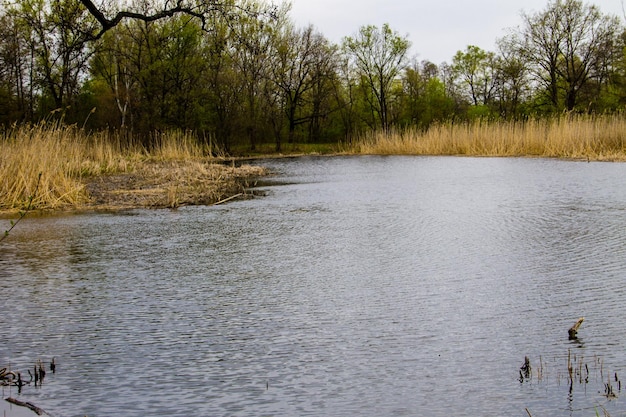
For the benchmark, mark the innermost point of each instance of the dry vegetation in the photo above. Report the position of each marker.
(169, 183)
(80, 171)
(584, 137)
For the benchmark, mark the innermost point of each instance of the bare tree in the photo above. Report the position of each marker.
(15, 101)
(302, 60)
(57, 35)
(254, 37)
(569, 44)
(512, 86)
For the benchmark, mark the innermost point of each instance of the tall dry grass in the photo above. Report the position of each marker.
(568, 136)
(65, 155)
(176, 146)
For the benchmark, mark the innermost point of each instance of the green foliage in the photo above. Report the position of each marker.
(240, 78)
(378, 57)
(424, 99)
(476, 70)
(480, 111)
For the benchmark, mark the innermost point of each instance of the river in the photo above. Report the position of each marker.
(355, 286)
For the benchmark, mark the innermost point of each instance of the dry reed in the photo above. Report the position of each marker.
(568, 136)
(67, 158)
(177, 146)
(51, 151)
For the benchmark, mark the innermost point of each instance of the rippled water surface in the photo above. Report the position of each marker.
(358, 286)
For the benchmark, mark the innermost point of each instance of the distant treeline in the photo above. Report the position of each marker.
(241, 73)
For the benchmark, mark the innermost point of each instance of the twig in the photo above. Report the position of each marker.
(228, 199)
(33, 407)
(23, 213)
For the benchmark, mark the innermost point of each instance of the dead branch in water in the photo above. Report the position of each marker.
(31, 406)
(228, 199)
(574, 329)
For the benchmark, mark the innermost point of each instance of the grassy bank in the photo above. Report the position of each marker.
(585, 137)
(99, 171)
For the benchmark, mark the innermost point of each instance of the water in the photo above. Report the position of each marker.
(369, 286)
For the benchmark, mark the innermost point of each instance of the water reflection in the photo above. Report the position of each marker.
(358, 286)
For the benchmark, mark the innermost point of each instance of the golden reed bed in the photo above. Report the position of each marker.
(95, 171)
(584, 137)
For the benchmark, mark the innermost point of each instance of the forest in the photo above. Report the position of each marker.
(238, 74)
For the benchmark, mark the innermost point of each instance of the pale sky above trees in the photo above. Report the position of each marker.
(436, 28)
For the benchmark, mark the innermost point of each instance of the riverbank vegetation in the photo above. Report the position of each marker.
(74, 169)
(87, 91)
(241, 74)
(71, 169)
(568, 136)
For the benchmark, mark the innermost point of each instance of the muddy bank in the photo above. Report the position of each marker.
(169, 184)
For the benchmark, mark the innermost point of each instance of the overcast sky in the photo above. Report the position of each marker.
(437, 28)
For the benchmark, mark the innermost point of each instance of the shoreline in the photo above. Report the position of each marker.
(173, 184)
(158, 185)
(62, 168)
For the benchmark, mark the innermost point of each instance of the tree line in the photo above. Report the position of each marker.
(242, 73)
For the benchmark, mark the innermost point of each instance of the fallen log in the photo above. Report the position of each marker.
(574, 329)
(26, 404)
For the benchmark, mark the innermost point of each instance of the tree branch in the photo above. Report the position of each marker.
(108, 24)
(201, 10)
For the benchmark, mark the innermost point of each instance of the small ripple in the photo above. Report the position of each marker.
(370, 295)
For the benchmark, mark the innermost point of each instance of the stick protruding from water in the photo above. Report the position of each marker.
(573, 331)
